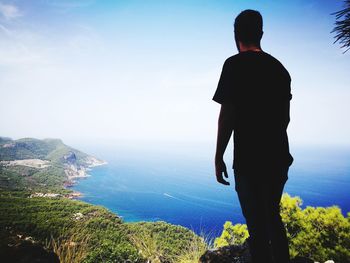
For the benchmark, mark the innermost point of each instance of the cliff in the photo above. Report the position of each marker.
(42, 165)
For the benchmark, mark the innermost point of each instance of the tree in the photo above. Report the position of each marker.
(316, 232)
(232, 235)
(342, 26)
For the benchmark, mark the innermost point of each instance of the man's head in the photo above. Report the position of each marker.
(248, 28)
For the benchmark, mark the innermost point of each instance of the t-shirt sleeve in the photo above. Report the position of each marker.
(223, 90)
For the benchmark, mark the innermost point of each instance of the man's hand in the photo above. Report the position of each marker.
(225, 128)
(220, 168)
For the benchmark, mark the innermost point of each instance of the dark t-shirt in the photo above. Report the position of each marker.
(258, 87)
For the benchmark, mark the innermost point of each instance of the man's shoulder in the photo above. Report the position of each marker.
(274, 59)
(277, 63)
(252, 55)
(232, 59)
(244, 60)
(243, 57)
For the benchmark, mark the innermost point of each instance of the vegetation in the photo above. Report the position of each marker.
(76, 230)
(80, 232)
(195, 249)
(315, 232)
(68, 250)
(342, 26)
(161, 242)
(31, 148)
(48, 179)
(55, 221)
(232, 235)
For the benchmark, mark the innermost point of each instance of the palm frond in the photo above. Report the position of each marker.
(342, 26)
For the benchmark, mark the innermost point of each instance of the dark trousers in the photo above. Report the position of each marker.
(259, 194)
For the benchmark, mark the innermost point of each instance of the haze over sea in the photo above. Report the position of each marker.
(151, 184)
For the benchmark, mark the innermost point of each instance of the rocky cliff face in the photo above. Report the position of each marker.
(70, 158)
(74, 170)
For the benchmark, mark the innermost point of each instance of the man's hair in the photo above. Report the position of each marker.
(249, 27)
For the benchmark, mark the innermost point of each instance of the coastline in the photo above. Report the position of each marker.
(137, 186)
(75, 173)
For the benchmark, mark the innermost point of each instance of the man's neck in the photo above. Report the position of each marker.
(243, 48)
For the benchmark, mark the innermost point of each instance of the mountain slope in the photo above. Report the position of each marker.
(84, 232)
(41, 165)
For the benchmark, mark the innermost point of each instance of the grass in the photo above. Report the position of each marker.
(152, 251)
(196, 248)
(69, 250)
(148, 247)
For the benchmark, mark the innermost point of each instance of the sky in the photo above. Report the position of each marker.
(146, 71)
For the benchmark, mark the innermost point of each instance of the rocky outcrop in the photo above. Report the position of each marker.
(20, 249)
(239, 254)
(227, 254)
(70, 158)
(78, 169)
(26, 252)
(72, 168)
(92, 161)
(74, 171)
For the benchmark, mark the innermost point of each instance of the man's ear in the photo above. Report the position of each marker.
(237, 43)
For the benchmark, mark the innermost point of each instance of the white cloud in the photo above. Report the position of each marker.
(9, 11)
(5, 30)
(89, 82)
(69, 4)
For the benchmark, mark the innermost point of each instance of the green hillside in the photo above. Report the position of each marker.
(51, 178)
(54, 222)
(97, 234)
(31, 148)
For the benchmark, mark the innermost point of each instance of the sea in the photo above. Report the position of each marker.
(178, 185)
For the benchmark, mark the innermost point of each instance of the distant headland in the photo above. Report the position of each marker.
(45, 166)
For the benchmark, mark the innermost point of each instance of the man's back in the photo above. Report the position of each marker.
(254, 93)
(258, 87)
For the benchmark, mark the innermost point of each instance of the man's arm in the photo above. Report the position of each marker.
(225, 128)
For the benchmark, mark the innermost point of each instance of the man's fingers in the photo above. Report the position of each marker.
(225, 182)
(221, 169)
(222, 181)
(225, 173)
(224, 170)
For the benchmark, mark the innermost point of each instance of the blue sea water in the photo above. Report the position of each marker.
(181, 188)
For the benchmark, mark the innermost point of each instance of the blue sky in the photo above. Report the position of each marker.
(145, 71)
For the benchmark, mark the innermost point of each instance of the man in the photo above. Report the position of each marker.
(254, 93)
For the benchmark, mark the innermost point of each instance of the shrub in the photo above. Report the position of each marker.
(315, 232)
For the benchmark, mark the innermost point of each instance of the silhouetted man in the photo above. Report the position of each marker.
(254, 93)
